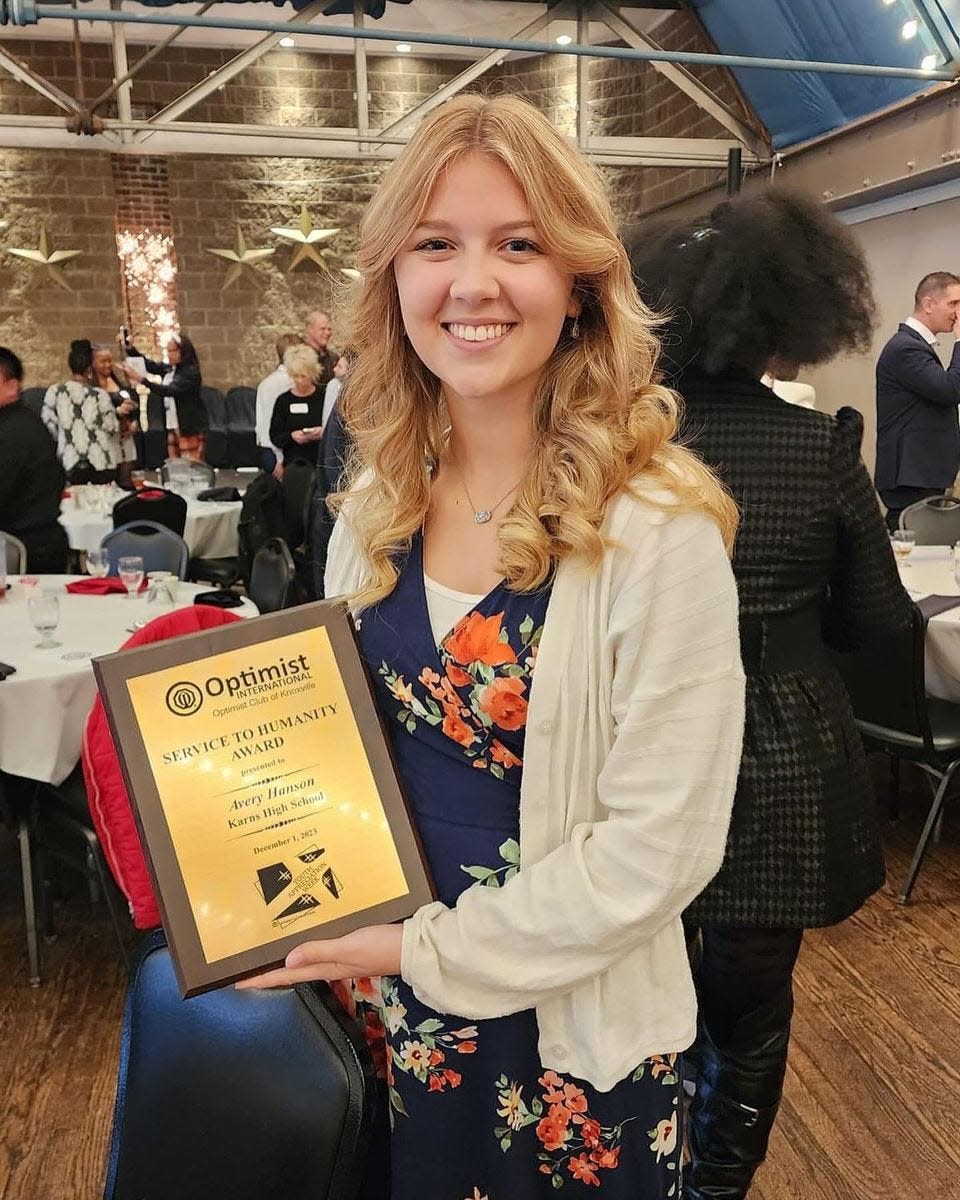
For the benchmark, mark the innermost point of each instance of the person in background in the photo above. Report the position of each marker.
(332, 390)
(268, 389)
(547, 610)
(318, 329)
(31, 477)
(767, 279)
(332, 460)
(296, 425)
(83, 422)
(918, 438)
(179, 388)
(126, 403)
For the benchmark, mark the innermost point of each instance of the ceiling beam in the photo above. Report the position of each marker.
(474, 71)
(683, 79)
(26, 74)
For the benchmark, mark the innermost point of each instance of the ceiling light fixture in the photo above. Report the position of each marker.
(909, 30)
(403, 47)
(564, 39)
(287, 42)
(928, 62)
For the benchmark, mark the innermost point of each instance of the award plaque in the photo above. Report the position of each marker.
(263, 788)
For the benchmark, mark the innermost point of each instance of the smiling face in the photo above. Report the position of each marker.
(939, 310)
(102, 363)
(483, 304)
(174, 354)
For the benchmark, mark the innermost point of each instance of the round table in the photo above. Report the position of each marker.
(210, 531)
(929, 571)
(44, 704)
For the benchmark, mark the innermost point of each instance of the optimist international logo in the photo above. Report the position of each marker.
(184, 698)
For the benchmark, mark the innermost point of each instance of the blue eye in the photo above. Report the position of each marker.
(522, 246)
(433, 244)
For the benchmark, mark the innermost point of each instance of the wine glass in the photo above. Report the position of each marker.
(130, 570)
(903, 541)
(44, 610)
(98, 563)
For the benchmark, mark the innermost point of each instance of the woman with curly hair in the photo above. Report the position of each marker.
(764, 284)
(546, 606)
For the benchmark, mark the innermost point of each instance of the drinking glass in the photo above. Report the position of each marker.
(44, 610)
(903, 541)
(139, 480)
(98, 564)
(130, 570)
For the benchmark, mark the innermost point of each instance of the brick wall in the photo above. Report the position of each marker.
(71, 194)
(200, 200)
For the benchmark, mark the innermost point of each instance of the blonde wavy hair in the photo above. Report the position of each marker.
(300, 359)
(603, 424)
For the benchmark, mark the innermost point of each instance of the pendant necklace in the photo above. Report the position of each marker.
(481, 515)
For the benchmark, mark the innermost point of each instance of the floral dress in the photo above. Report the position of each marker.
(474, 1114)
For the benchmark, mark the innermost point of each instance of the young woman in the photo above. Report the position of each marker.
(124, 400)
(179, 388)
(764, 284)
(296, 424)
(547, 609)
(82, 421)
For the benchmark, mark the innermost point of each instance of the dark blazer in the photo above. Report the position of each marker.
(814, 573)
(31, 482)
(184, 387)
(918, 437)
(335, 448)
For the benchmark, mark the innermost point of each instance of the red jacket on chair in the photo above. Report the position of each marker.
(106, 791)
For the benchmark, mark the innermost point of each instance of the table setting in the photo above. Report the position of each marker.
(51, 626)
(930, 576)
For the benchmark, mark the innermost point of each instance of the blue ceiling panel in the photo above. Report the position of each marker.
(797, 105)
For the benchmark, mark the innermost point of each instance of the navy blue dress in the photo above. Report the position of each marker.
(475, 1116)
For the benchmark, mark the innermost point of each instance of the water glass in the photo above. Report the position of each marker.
(130, 570)
(903, 541)
(98, 564)
(44, 610)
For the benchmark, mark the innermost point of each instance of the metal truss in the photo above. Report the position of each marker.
(168, 133)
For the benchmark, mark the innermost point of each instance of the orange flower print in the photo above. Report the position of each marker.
(458, 677)
(553, 1085)
(452, 1077)
(582, 1168)
(457, 729)
(553, 1129)
(467, 1048)
(436, 1057)
(574, 1099)
(477, 639)
(503, 701)
(435, 1083)
(401, 690)
(589, 1131)
(500, 754)
(607, 1157)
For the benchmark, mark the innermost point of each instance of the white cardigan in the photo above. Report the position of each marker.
(633, 741)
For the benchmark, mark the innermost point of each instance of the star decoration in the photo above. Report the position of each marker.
(44, 256)
(306, 239)
(241, 256)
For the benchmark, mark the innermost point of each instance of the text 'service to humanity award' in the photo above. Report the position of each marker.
(263, 788)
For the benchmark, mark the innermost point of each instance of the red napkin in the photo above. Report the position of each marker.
(100, 587)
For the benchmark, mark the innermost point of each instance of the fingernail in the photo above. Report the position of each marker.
(294, 958)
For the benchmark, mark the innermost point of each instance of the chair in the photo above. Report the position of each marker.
(895, 716)
(239, 1094)
(216, 407)
(33, 397)
(299, 484)
(155, 434)
(16, 554)
(196, 472)
(152, 504)
(935, 520)
(272, 577)
(160, 548)
(241, 408)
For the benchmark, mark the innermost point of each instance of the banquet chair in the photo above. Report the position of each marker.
(895, 716)
(152, 504)
(935, 520)
(239, 1094)
(160, 548)
(16, 554)
(273, 577)
(197, 472)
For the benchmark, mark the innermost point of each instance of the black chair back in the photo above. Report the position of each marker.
(32, 397)
(886, 683)
(152, 504)
(272, 577)
(241, 409)
(239, 1094)
(299, 484)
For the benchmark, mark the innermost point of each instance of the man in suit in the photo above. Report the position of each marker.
(918, 435)
(318, 329)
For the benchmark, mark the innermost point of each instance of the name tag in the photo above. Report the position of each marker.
(299, 408)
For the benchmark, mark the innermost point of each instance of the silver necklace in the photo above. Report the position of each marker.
(481, 515)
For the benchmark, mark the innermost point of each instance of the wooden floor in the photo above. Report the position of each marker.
(872, 1105)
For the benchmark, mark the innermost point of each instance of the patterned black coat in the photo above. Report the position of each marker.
(814, 571)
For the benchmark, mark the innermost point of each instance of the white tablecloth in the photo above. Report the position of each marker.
(44, 704)
(210, 532)
(929, 571)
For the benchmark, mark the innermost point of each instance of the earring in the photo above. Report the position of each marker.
(575, 327)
